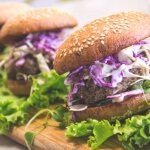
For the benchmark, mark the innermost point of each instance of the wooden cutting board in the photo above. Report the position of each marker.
(53, 138)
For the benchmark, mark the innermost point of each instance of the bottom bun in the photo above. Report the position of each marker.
(113, 111)
(19, 88)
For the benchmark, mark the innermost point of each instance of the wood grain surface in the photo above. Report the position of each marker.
(53, 138)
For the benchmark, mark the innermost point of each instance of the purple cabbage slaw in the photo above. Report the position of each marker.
(42, 42)
(120, 97)
(95, 72)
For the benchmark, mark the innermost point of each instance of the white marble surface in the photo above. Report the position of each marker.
(85, 11)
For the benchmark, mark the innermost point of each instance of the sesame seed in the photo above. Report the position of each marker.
(114, 31)
(70, 52)
(79, 49)
(102, 42)
(112, 27)
(78, 44)
(102, 34)
(95, 28)
(92, 42)
(126, 28)
(106, 32)
(102, 37)
(96, 38)
(93, 36)
(89, 39)
(86, 46)
(74, 49)
(84, 40)
(106, 29)
(88, 43)
(119, 31)
(78, 53)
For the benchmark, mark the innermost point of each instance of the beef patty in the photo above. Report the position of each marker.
(30, 67)
(91, 93)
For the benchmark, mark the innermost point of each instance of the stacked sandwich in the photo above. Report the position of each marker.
(109, 62)
(28, 82)
(34, 37)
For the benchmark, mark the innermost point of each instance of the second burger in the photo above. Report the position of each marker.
(34, 37)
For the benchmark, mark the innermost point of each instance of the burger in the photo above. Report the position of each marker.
(8, 10)
(108, 61)
(34, 37)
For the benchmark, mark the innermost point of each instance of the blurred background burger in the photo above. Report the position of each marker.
(9, 10)
(34, 37)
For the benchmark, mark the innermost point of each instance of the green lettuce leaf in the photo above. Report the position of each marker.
(29, 139)
(48, 89)
(97, 131)
(4, 124)
(63, 116)
(11, 114)
(10, 107)
(101, 132)
(135, 132)
(81, 129)
(146, 86)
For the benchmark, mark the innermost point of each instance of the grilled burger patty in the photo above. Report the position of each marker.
(91, 93)
(29, 67)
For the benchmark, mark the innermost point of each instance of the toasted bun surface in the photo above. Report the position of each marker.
(19, 88)
(35, 20)
(113, 111)
(11, 9)
(101, 38)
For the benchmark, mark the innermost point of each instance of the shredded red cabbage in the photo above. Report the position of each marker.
(104, 73)
(95, 71)
(43, 42)
(120, 97)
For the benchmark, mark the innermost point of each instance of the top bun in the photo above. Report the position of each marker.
(10, 9)
(101, 38)
(35, 20)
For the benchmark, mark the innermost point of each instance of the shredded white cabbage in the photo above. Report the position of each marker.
(78, 107)
(120, 97)
(127, 55)
(42, 63)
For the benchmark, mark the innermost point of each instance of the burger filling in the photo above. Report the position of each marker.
(112, 79)
(33, 54)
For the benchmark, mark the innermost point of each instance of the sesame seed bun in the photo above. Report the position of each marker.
(11, 9)
(101, 38)
(113, 111)
(35, 20)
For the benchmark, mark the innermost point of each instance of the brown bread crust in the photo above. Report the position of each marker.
(113, 111)
(19, 88)
(35, 20)
(101, 38)
(11, 9)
